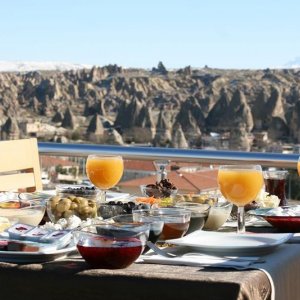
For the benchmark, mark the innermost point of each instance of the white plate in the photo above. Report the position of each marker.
(232, 243)
(35, 257)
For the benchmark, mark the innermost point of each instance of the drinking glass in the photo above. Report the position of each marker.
(298, 166)
(240, 185)
(275, 184)
(104, 171)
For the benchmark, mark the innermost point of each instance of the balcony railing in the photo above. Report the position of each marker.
(278, 160)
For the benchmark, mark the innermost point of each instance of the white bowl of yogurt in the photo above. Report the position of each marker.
(23, 211)
(218, 215)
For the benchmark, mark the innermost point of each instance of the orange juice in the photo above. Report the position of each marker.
(104, 172)
(240, 186)
(298, 168)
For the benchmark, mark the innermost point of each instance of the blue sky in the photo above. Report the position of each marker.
(132, 33)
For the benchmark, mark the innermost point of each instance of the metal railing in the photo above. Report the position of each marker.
(278, 160)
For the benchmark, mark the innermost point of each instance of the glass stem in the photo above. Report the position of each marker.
(102, 196)
(241, 219)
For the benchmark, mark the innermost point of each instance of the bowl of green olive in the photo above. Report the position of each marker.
(79, 200)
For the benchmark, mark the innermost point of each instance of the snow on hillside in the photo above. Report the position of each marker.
(27, 66)
(293, 64)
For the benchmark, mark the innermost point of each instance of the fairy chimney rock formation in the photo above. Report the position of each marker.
(68, 120)
(95, 125)
(10, 129)
(163, 130)
(277, 125)
(215, 118)
(239, 112)
(178, 138)
(113, 137)
(260, 111)
(128, 113)
(295, 123)
(191, 119)
(58, 117)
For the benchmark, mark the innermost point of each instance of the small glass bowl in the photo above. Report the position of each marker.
(111, 209)
(199, 213)
(176, 220)
(155, 222)
(79, 200)
(29, 212)
(209, 198)
(166, 196)
(111, 246)
(218, 215)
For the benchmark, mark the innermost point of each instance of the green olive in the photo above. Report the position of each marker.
(68, 213)
(82, 201)
(76, 200)
(85, 210)
(57, 215)
(63, 206)
(92, 204)
(74, 206)
(67, 202)
(53, 201)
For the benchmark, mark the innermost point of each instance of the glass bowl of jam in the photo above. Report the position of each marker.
(111, 246)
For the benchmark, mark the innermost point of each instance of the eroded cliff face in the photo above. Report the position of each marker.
(112, 104)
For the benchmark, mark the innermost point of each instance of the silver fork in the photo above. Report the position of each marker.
(161, 252)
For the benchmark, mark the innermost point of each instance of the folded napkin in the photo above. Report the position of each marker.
(295, 239)
(202, 260)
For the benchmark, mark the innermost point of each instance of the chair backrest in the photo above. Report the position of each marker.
(20, 166)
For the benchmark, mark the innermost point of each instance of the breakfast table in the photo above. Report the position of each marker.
(275, 275)
(275, 278)
(70, 278)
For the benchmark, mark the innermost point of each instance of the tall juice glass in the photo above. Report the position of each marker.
(240, 185)
(298, 166)
(104, 171)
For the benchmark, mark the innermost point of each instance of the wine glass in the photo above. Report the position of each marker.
(104, 171)
(240, 184)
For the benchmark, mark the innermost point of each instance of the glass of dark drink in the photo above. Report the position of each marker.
(176, 221)
(155, 223)
(111, 246)
(199, 213)
(275, 184)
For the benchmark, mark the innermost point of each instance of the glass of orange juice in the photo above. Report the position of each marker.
(240, 185)
(104, 171)
(298, 166)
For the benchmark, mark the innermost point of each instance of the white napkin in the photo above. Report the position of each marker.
(202, 260)
(295, 239)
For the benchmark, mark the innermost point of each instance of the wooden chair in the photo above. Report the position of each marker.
(20, 166)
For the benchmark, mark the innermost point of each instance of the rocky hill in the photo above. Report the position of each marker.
(236, 109)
